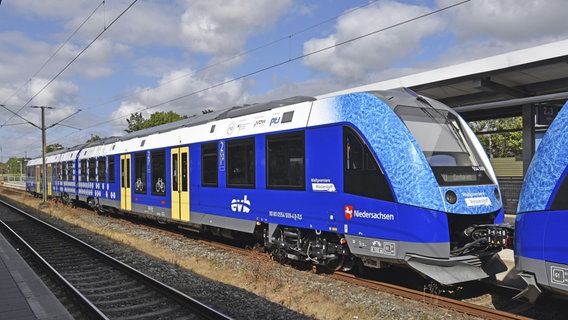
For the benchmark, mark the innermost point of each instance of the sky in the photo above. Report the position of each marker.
(94, 62)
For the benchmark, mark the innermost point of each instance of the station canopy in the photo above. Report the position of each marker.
(494, 87)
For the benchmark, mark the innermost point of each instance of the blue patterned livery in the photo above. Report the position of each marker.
(541, 243)
(377, 178)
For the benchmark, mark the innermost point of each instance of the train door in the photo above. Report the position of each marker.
(180, 183)
(125, 188)
(38, 178)
(49, 179)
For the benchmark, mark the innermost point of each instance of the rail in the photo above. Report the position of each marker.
(105, 287)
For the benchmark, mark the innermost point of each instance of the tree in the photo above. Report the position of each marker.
(500, 137)
(205, 111)
(93, 138)
(14, 165)
(137, 122)
(53, 147)
(160, 118)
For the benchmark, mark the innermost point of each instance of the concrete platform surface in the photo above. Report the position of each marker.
(23, 295)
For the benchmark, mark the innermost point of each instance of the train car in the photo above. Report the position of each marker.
(378, 178)
(541, 243)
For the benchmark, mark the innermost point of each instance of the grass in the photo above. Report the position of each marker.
(258, 274)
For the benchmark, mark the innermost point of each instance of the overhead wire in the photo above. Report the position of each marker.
(292, 59)
(16, 113)
(242, 54)
(76, 57)
(289, 60)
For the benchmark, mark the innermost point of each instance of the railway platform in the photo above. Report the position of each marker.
(23, 295)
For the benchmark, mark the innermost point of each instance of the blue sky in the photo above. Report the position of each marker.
(173, 55)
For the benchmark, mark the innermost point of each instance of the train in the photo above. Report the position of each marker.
(372, 179)
(541, 243)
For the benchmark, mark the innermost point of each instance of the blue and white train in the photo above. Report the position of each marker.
(377, 178)
(541, 241)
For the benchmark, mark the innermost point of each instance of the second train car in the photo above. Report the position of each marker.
(541, 243)
(380, 178)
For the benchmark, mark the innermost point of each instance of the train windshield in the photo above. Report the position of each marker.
(445, 145)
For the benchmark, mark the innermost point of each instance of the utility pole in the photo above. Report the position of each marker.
(43, 149)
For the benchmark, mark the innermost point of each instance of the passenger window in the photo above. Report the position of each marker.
(159, 172)
(92, 170)
(240, 163)
(362, 174)
(285, 161)
(209, 167)
(111, 174)
(64, 171)
(101, 169)
(140, 172)
(70, 171)
(83, 170)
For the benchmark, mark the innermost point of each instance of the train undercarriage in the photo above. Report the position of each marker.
(313, 247)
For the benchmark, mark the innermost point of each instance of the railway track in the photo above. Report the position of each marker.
(105, 287)
(432, 299)
(461, 306)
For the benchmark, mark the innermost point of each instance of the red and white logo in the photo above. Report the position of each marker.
(348, 212)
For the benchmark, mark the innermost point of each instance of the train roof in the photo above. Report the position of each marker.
(228, 123)
(233, 112)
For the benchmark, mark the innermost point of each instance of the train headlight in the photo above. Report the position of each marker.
(451, 197)
(497, 195)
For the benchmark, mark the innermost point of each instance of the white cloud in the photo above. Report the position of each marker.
(508, 20)
(222, 27)
(192, 91)
(376, 52)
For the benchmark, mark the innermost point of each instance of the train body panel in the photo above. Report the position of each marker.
(541, 241)
(384, 177)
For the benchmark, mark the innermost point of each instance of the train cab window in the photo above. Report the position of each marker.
(560, 201)
(158, 162)
(441, 137)
(101, 169)
(111, 173)
(361, 172)
(285, 161)
(140, 172)
(209, 169)
(240, 163)
(83, 165)
(92, 170)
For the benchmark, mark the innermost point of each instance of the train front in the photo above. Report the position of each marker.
(448, 206)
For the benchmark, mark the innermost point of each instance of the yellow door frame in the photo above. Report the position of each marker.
(49, 178)
(125, 180)
(180, 183)
(38, 178)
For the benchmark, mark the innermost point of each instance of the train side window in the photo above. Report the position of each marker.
(64, 171)
(285, 161)
(111, 173)
(92, 170)
(140, 172)
(101, 169)
(83, 170)
(361, 172)
(240, 163)
(209, 169)
(158, 172)
(69, 170)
